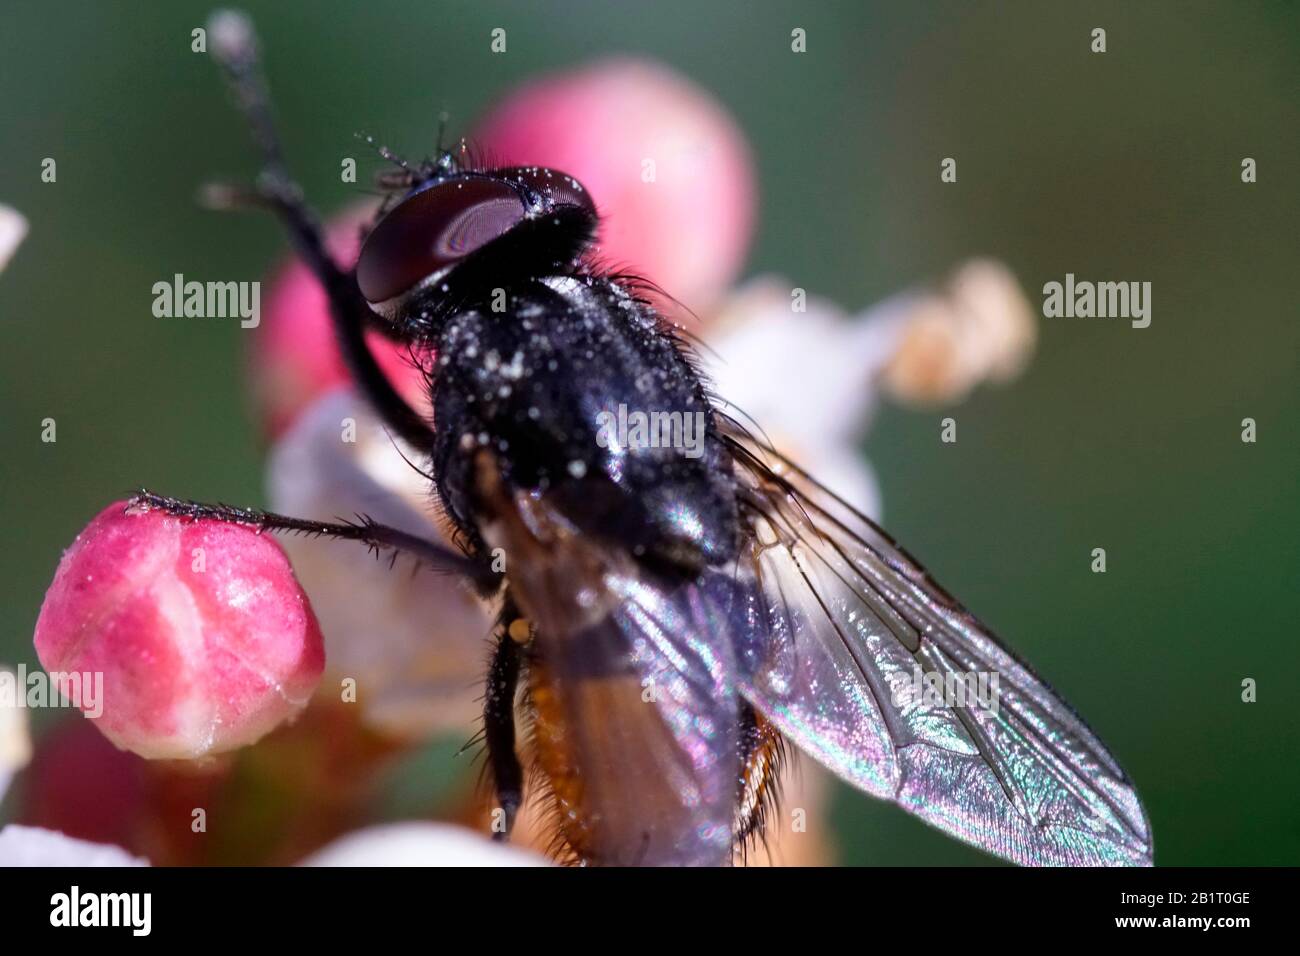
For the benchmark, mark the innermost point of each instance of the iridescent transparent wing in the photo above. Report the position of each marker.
(869, 666)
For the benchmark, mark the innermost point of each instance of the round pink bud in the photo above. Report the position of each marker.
(186, 637)
(668, 167)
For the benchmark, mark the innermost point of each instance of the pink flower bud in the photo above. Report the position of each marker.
(201, 635)
(666, 164)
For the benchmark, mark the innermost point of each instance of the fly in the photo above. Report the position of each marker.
(668, 622)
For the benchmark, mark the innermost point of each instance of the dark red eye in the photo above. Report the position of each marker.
(436, 227)
(433, 229)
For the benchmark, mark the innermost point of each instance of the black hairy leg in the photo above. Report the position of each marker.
(499, 721)
(762, 758)
(377, 537)
(234, 47)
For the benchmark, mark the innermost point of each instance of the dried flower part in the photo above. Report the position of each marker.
(928, 367)
(981, 328)
(668, 167)
(194, 635)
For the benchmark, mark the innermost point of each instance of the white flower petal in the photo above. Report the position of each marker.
(420, 844)
(13, 229)
(808, 374)
(416, 643)
(15, 744)
(34, 846)
(806, 379)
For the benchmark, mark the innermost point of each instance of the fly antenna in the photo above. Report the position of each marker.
(443, 117)
(384, 151)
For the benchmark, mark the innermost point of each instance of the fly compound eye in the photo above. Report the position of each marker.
(432, 230)
(437, 226)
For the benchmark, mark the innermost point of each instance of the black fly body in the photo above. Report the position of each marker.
(669, 622)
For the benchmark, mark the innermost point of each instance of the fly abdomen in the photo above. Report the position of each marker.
(625, 791)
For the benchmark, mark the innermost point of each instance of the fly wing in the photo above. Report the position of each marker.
(848, 646)
(633, 690)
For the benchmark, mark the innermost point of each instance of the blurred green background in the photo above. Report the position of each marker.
(1117, 166)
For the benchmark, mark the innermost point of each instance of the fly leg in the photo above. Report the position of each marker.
(499, 726)
(234, 47)
(377, 537)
